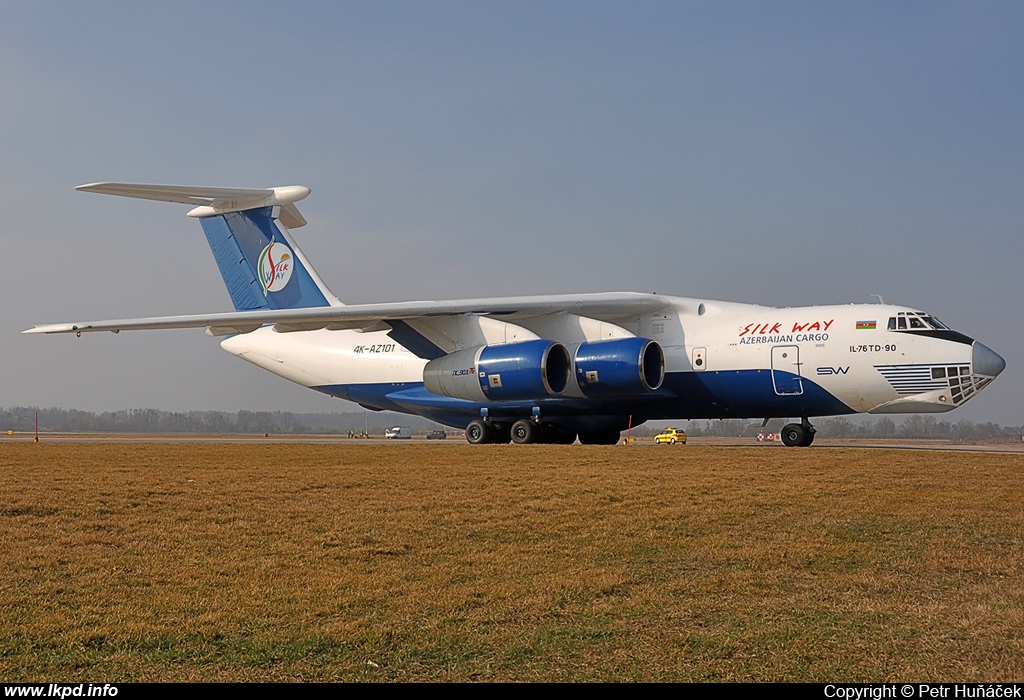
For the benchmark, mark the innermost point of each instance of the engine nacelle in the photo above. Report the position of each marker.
(616, 368)
(535, 369)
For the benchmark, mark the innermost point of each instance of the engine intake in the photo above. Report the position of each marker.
(534, 369)
(623, 367)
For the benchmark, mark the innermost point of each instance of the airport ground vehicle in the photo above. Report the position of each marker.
(670, 436)
(554, 368)
(399, 432)
(437, 435)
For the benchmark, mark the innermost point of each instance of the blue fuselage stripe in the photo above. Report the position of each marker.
(684, 395)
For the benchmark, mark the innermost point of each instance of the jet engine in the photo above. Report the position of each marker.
(531, 370)
(617, 368)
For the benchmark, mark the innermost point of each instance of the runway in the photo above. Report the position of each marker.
(821, 443)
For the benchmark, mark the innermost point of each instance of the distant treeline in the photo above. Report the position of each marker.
(151, 420)
(909, 427)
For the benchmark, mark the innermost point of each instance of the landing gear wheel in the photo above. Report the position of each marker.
(795, 435)
(809, 432)
(479, 433)
(525, 432)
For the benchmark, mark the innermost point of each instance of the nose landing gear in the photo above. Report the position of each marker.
(798, 434)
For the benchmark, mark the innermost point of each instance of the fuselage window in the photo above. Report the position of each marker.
(902, 321)
(892, 323)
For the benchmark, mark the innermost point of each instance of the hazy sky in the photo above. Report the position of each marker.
(781, 153)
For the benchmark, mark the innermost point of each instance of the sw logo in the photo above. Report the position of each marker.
(824, 371)
(275, 267)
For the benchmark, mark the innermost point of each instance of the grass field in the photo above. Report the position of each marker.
(417, 562)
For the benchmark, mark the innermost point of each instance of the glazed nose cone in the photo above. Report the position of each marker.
(986, 362)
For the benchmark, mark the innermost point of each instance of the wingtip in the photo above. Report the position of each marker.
(52, 328)
(89, 186)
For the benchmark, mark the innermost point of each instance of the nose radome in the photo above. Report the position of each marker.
(986, 362)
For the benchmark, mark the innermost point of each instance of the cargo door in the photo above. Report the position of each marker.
(786, 370)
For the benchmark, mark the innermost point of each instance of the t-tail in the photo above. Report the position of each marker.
(248, 232)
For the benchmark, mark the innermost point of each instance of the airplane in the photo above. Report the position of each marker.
(554, 369)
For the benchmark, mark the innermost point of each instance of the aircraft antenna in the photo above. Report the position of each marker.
(880, 299)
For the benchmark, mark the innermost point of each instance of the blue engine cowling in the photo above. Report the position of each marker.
(617, 368)
(535, 369)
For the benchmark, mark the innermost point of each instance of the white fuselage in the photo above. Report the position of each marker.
(844, 351)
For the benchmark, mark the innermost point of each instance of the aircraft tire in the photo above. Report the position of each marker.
(794, 435)
(479, 433)
(524, 432)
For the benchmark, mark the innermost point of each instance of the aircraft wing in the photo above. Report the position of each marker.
(610, 307)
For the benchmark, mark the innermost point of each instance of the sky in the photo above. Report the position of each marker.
(786, 153)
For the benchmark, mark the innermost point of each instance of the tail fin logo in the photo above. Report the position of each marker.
(275, 267)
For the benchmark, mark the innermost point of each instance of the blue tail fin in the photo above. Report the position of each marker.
(248, 233)
(261, 266)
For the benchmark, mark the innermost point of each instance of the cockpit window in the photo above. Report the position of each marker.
(909, 320)
(919, 323)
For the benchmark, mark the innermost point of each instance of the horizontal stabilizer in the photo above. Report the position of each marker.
(210, 201)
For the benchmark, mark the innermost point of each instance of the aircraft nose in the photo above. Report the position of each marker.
(986, 362)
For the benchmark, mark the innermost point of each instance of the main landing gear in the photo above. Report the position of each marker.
(483, 432)
(525, 431)
(798, 434)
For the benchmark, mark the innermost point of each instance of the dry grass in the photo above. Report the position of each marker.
(438, 562)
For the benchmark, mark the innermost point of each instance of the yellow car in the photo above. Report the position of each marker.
(671, 436)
